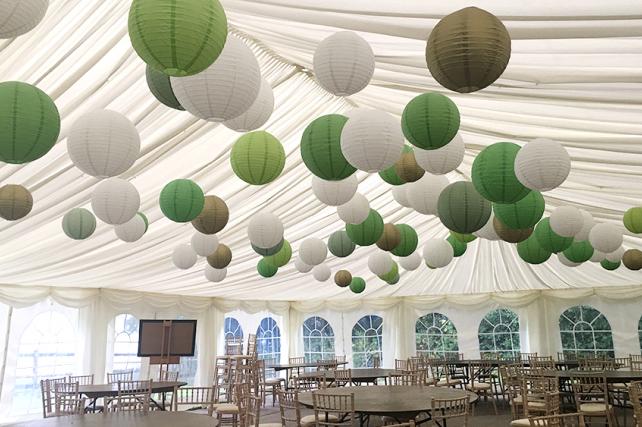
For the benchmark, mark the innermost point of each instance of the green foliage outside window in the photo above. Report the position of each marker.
(585, 332)
(318, 339)
(499, 333)
(436, 335)
(367, 341)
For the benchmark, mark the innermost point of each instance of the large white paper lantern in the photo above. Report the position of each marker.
(321, 272)
(605, 237)
(566, 221)
(344, 63)
(115, 201)
(258, 113)
(301, 266)
(438, 253)
(380, 263)
(565, 261)
(103, 143)
(542, 164)
(335, 193)
(355, 211)
(587, 224)
(400, 194)
(226, 89)
(265, 230)
(132, 230)
(204, 244)
(184, 257)
(442, 160)
(488, 230)
(616, 255)
(423, 195)
(18, 17)
(313, 251)
(411, 262)
(215, 274)
(371, 140)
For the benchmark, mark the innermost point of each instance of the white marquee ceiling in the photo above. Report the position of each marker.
(575, 76)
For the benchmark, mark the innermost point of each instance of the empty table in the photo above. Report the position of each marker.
(96, 391)
(359, 375)
(125, 419)
(619, 376)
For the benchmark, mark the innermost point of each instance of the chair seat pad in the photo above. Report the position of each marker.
(226, 408)
(272, 381)
(451, 382)
(536, 404)
(270, 425)
(309, 419)
(518, 399)
(620, 385)
(594, 407)
(478, 386)
(523, 422)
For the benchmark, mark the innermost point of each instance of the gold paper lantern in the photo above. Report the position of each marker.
(511, 235)
(343, 278)
(214, 216)
(221, 257)
(390, 238)
(407, 167)
(15, 202)
(632, 259)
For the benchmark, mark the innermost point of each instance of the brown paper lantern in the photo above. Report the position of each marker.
(632, 259)
(214, 216)
(468, 50)
(511, 235)
(407, 167)
(15, 202)
(343, 278)
(221, 257)
(390, 238)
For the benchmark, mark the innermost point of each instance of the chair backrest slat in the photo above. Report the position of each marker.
(326, 403)
(114, 377)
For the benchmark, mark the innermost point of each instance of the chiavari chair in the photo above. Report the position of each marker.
(592, 395)
(442, 410)
(332, 410)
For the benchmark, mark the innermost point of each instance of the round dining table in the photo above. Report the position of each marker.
(124, 419)
(359, 375)
(95, 391)
(618, 376)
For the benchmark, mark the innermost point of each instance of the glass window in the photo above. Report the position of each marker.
(233, 329)
(585, 332)
(268, 340)
(499, 333)
(126, 344)
(318, 339)
(367, 341)
(436, 335)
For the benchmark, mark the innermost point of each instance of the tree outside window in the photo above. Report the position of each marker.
(499, 333)
(318, 339)
(436, 336)
(585, 332)
(268, 340)
(367, 341)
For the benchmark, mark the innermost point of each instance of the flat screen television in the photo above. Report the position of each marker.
(180, 338)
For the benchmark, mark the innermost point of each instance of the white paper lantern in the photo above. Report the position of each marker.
(215, 274)
(355, 211)
(344, 63)
(423, 195)
(313, 251)
(488, 230)
(587, 224)
(132, 230)
(566, 221)
(265, 230)
(204, 244)
(438, 253)
(597, 256)
(258, 113)
(565, 261)
(542, 164)
(442, 160)
(400, 194)
(301, 266)
(115, 201)
(616, 255)
(103, 143)
(226, 89)
(321, 272)
(371, 140)
(605, 237)
(335, 193)
(18, 17)
(380, 263)
(184, 257)
(411, 262)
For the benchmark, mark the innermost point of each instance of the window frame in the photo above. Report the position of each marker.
(366, 337)
(513, 332)
(274, 338)
(438, 333)
(591, 352)
(327, 341)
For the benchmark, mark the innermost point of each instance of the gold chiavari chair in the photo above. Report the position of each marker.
(68, 400)
(114, 377)
(47, 387)
(635, 396)
(81, 379)
(478, 372)
(441, 372)
(198, 399)
(442, 410)
(401, 364)
(290, 410)
(332, 410)
(596, 364)
(540, 397)
(133, 396)
(525, 356)
(342, 378)
(561, 420)
(327, 365)
(406, 378)
(513, 380)
(544, 362)
(592, 395)
(167, 376)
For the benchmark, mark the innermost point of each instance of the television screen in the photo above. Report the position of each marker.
(180, 338)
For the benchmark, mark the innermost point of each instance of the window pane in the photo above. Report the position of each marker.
(318, 339)
(436, 333)
(585, 332)
(499, 332)
(268, 339)
(126, 344)
(367, 341)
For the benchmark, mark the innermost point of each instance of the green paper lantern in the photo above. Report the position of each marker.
(550, 240)
(357, 285)
(459, 247)
(430, 121)
(266, 269)
(609, 265)
(282, 257)
(368, 232)
(633, 220)
(268, 251)
(493, 174)
(257, 157)
(394, 271)
(29, 123)
(340, 245)
(409, 241)
(160, 87)
(524, 213)
(395, 280)
(390, 174)
(79, 223)
(532, 252)
(462, 209)
(145, 220)
(321, 148)
(579, 251)
(462, 237)
(179, 38)
(182, 200)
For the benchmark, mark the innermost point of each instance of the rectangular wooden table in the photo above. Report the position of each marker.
(96, 391)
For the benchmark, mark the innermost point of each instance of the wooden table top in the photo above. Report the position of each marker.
(94, 391)
(282, 366)
(619, 376)
(125, 419)
(358, 374)
(389, 400)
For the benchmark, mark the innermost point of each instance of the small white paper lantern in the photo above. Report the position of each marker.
(371, 140)
(335, 193)
(587, 223)
(488, 230)
(597, 256)
(258, 113)
(132, 230)
(301, 266)
(265, 230)
(103, 143)
(354, 211)
(423, 195)
(566, 221)
(411, 262)
(215, 274)
(542, 164)
(565, 261)
(18, 17)
(115, 201)
(313, 251)
(344, 63)
(380, 263)
(184, 257)
(442, 160)
(321, 272)
(605, 237)
(226, 89)
(400, 194)
(438, 253)
(204, 244)
(616, 255)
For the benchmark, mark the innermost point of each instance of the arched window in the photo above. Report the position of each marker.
(126, 344)
(233, 329)
(499, 333)
(585, 332)
(436, 335)
(366, 341)
(318, 339)
(268, 340)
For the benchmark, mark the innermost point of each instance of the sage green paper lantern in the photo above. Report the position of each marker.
(368, 232)
(394, 280)
(633, 220)
(182, 200)
(524, 213)
(340, 245)
(160, 87)
(179, 38)
(282, 257)
(79, 223)
(493, 174)
(321, 148)
(394, 271)
(550, 240)
(609, 265)
(459, 247)
(463, 237)
(29, 123)
(462, 209)
(532, 252)
(408, 243)
(266, 269)
(579, 251)
(430, 121)
(357, 285)
(257, 157)
(268, 251)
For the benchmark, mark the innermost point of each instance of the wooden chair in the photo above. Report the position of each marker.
(596, 364)
(333, 410)
(168, 376)
(133, 396)
(290, 410)
(81, 379)
(308, 383)
(267, 385)
(544, 403)
(343, 377)
(512, 382)
(441, 372)
(195, 398)
(327, 365)
(592, 395)
(525, 356)
(229, 413)
(114, 377)
(401, 365)
(563, 420)
(251, 345)
(67, 400)
(47, 387)
(544, 362)
(442, 410)
(406, 378)
(635, 396)
(478, 372)
(233, 346)
(340, 359)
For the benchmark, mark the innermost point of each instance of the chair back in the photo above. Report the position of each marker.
(442, 410)
(636, 365)
(81, 379)
(252, 411)
(343, 377)
(526, 356)
(622, 362)
(559, 420)
(233, 346)
(67, 400)
(407, 378)
(296, 360)
(133, 396)
(114, 377)
(478, 371)
(597, 364)
(289, 407)
(401, 364)
(47, 387)
(341, 405)
(195, 396)
(545, 362)
(223, 384)
(327, 365)
(635, 395)
(251, 345)
(543, 392)
(306, 383)
(168, 376)
(589, 387)
(636, 357)
(340, 359)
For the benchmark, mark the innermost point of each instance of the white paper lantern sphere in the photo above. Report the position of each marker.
(488, 230)
(344, 63)
(115, 201)
(184, 257)
(204, 244)
(226, 89)
(442, 160)
(400, 194)
(566, 221)
(265, 230)
(321, 272)
(438, 253)
(301, 266)
(597, 256)
(215, 274)
(18, 17)
(542, 164)
(423, 195)
(605, 237)
(616, 255)
(565, 261)
(411, 262)
(371, 140)
(354, 211)
(258, 113)
(587, 224)
(380, 263)
(335, 193)
(103, 143)
(132, 230)
(313, 251)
